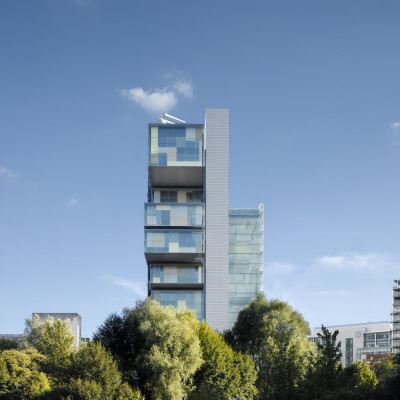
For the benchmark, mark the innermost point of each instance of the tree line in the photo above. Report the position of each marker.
(150, 352)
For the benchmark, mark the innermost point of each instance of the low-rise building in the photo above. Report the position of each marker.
(360, 340)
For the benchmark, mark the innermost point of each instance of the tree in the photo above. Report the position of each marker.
(388, 374)
(324, 375)
(275, 337)
(93, 370)
(225, 374)
(53, 338)
(20, 376)
(8, 344)
(359, 374)
(156, 347)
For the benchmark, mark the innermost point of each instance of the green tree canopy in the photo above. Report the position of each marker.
(20, 376)
(53, 338)
(225, 374)
(275, 336)
(93, 369)
(157, 347)
(9, 344)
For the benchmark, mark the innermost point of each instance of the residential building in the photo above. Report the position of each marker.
(395, 316)
(360, 340)
(188, 227)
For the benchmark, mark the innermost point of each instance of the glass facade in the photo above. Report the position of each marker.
(246, 258)
(349, 352)
(362, 353)
(174, 215)
(174, 241)
(176, 274)
(192, 300)
(176, 146)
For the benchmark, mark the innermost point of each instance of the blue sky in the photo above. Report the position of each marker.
(313, 89)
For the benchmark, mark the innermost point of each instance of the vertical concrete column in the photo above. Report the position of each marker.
(217, 218)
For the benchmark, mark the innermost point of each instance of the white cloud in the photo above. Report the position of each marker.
(137, 287)
(160, 100)
(153, 101)
(356, 261)
(72, 202)
(395, 132)
(278, 268)
(395, 125)
(7, 173)
(185, 88)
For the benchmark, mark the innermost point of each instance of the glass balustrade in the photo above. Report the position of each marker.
(173, 241)
(192, 300)
(176, 274)
(184, 215)
(176, 146)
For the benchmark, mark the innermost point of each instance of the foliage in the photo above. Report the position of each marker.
(20, 377)
(325, 373)
(156, 346)
(275, 337)
(52, 338)
(126, 393)
(388, 374)
(386, 369)
(225, 373)
(93, 370)
(8, 344)
(359, 374)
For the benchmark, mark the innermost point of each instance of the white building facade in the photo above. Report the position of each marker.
(360, 340)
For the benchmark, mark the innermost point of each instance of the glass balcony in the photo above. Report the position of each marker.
(176, 146)
(173, 241)
(176, 274)
(192, 300)
(183, 215)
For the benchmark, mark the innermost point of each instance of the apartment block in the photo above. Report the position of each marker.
(199, 254)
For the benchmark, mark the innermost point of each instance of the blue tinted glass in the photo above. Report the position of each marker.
(171, 142)
(165, 217)
(181, 132)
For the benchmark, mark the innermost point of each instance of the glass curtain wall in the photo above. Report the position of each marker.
(246, 258)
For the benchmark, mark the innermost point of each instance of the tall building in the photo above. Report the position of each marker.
(395, 316)
(196, 249)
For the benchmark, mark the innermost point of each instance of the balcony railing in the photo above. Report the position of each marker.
(180, 274)
(173, 241)
(174, 214)
(192, 300)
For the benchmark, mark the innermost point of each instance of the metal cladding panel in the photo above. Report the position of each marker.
(217, 218)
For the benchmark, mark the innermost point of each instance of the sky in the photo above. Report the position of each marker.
(313, 89)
